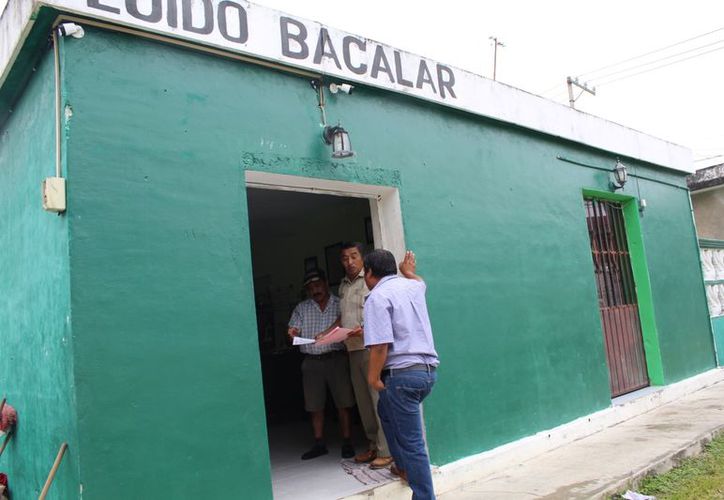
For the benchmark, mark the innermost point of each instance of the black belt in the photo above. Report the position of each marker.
(417, 368)
(325, 355)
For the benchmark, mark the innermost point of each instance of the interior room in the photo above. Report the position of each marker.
(292, 232)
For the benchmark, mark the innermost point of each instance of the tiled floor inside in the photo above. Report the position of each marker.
(326, 477)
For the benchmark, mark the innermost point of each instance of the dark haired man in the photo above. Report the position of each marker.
(403, 361)
(323, 365)
(352, 294)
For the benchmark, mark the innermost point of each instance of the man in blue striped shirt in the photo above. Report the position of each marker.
(403, 362)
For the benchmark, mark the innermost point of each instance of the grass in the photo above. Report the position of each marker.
(700, 477)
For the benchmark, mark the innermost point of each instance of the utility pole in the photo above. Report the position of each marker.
(496, 44)
(584, 88)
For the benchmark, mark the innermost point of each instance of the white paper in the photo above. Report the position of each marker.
(302, 341)
(635, 495)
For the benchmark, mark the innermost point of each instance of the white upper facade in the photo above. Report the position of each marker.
(240, 27)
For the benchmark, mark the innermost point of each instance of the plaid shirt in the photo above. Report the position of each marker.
(311, 320)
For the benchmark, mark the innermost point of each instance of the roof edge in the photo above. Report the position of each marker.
(291, 41)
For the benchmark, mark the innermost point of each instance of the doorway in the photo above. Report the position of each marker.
(617, 297)
(297, 224)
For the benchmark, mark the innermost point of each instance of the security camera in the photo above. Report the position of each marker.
(72, 29)
(340, 87)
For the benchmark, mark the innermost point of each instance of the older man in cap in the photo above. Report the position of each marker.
(323, 365)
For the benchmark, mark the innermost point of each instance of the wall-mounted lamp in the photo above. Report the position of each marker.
(339, 139)
(336, 136)
(620, 175)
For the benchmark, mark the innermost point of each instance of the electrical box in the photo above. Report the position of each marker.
(54, 194)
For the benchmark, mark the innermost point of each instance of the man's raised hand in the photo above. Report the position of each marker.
(408, 266)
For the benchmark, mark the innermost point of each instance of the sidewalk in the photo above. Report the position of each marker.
(606, 462)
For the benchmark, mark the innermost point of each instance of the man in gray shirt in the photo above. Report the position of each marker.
(352, 294)
(403, 361)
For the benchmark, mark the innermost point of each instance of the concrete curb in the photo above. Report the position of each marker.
(661, 465)
(451, 476)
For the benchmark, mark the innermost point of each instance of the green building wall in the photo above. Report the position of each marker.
(167, 374)
(717, 325)
(676, 280)
(36, 363)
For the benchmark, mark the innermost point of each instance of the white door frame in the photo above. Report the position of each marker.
(385, 209)
(384, 202)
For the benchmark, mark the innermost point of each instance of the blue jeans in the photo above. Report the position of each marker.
(399, 412)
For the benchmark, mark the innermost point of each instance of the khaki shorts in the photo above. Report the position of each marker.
(324, 370)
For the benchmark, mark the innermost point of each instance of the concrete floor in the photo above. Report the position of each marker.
(321, 478)
(608, 461)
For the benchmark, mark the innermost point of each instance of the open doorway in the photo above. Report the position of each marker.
(296, 224)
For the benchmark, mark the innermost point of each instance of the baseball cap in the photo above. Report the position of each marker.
(313, 275)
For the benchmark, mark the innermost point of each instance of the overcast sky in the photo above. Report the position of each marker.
(547, 40)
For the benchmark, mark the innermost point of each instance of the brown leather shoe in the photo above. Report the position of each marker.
(364, 457)
(399, 473)
(380, 462)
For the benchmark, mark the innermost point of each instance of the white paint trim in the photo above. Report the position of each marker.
(473, 93)
(385, 207)
(16, 22)
(453, 475)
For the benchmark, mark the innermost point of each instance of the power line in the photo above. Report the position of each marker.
(709, 158)
(651, 52)
(560, 92)
(659, 67)
(554, 87)
(601, 84)
(602, 77)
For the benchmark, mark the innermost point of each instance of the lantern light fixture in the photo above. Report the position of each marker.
(620, 175)
(336, 136)
(339, 140)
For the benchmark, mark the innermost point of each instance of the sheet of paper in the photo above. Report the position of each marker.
(337, 335)
(302, 341)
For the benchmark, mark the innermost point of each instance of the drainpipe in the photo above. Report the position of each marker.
(53, 188)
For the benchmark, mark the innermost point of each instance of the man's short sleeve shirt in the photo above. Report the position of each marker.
(311, 320)
(352, 294)
(395, 313)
